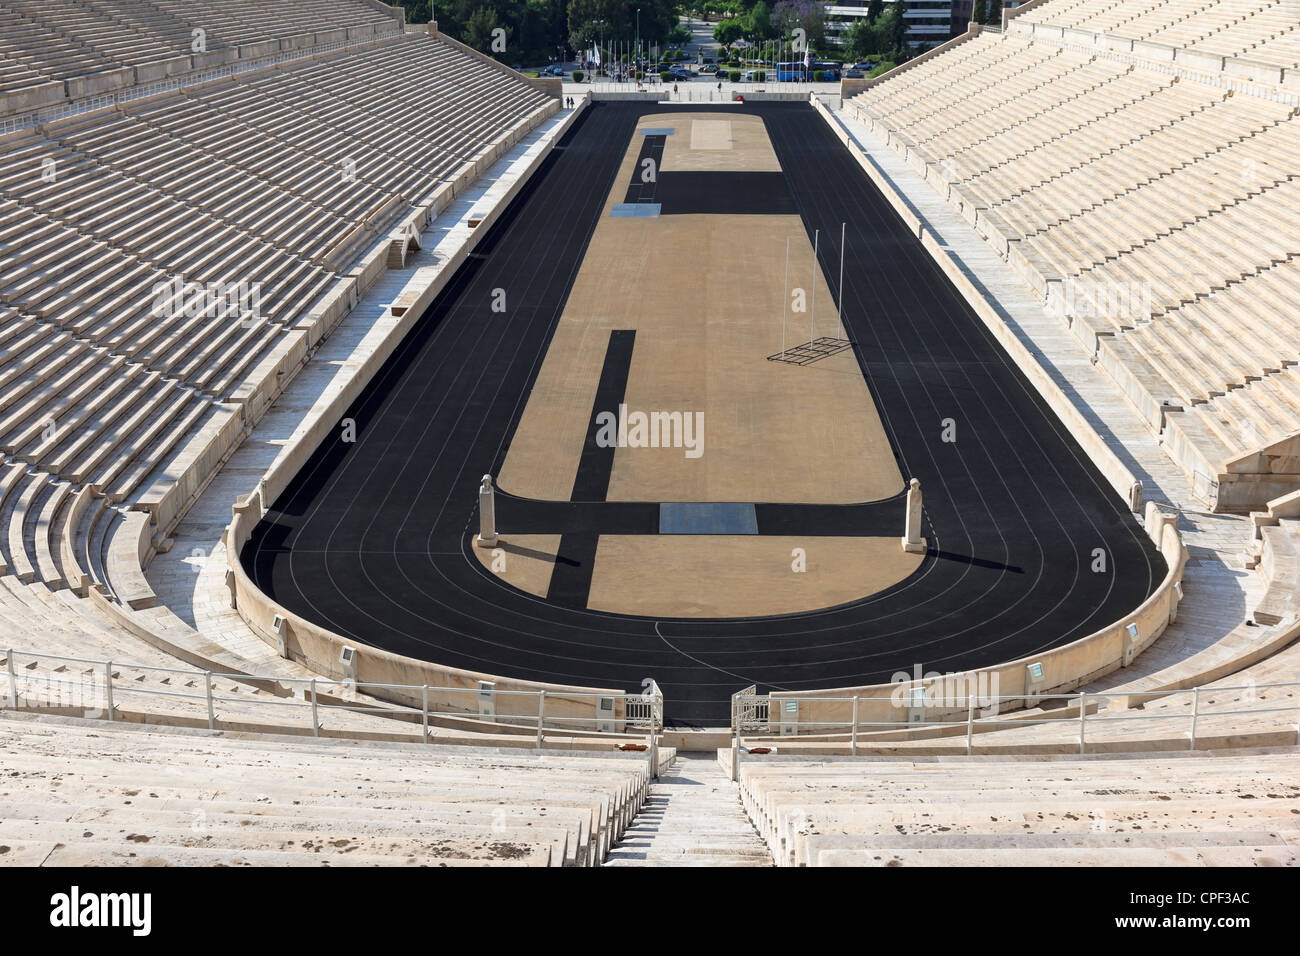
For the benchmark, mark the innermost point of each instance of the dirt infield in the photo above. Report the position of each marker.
(740, 576)
(704, 294)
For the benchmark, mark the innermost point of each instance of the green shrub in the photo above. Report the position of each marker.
(578, 76)
(760, 76)
(665, 75)
(819, 76)
(734, 76)
(640, 75)
(882, 68)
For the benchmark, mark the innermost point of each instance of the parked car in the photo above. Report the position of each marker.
(866, 66)
(709, 69)
(854, 74)
(553, 70)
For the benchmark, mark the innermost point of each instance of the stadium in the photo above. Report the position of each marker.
(409, 460)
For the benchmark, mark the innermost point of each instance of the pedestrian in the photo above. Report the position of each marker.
(674, 89)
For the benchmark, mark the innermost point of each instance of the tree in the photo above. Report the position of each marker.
(874, 9)
(981, 12)
(791, 15)
(728, 32)
(585, 27)
(479, 29)
(862, 40)
(657, 20)
(995, 13)
(898, 28)
(417, 11)
(758, 22)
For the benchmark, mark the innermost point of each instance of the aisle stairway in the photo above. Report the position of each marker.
(692, 817)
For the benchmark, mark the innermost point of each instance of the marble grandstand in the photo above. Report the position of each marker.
(336, 170)
(1135, 162)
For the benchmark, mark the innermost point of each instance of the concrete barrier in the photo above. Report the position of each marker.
(32, 98)
(96, 84)
(161, 69)
(321, 650)
(196, 462)
(215, 57)
(339, 35)
(255, 51)
(1063, 669)
(129, 547)
(329, 311)
(298, 41)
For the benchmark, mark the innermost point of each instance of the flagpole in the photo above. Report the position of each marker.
(840, 305)
(812, 326)
(785, 298)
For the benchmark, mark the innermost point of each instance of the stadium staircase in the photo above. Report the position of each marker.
(692, 817)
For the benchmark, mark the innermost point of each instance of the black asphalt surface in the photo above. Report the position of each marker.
(679, 192)
(371, 539)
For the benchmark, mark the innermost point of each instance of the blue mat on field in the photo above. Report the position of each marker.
(635, 210)
(683, 517)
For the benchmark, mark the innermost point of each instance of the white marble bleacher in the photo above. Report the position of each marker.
(102, 394)
(1143, 810)
(141, 796)
(1137, 209)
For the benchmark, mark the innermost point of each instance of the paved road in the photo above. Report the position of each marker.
(371, 539)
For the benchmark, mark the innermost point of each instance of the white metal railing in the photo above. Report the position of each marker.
(96, 688)
(762, 714)
(749, 708)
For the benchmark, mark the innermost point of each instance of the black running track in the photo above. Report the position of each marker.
(371, 539)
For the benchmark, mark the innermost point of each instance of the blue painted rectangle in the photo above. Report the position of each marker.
(635, 210)
(657, 131)
(692, 517)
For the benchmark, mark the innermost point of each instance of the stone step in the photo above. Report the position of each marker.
(691, 817)
(1107, 857)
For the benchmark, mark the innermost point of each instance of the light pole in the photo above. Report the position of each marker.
(637, 58)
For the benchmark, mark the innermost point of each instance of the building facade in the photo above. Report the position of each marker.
(929, 22)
